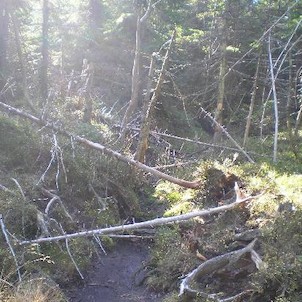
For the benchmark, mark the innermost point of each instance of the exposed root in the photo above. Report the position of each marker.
(226, 261)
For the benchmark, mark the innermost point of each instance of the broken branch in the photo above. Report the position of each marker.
(210, 266)
(145, 224)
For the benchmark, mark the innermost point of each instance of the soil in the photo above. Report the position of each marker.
(117, 277)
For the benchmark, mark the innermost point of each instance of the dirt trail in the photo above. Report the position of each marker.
(114, 278)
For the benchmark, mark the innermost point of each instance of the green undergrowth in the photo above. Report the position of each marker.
(276, 212)
(96, 191)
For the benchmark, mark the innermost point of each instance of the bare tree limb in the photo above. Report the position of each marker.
(70, 255)
(99, 147)
(10, 246)
(54, 198)
(223, 130)
(146, 224)
(210, 266)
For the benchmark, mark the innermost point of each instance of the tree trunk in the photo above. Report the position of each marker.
(142, 145)
(135, 79)
(221, 90)
(22, 63)
(88, 108)
(44, 53)
(4, 25)
(252, 103)
(299, 98)
(141, 20)
(288, 106)
(145, 128)
(276, 113)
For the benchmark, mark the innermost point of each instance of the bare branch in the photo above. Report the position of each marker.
(223, 130)
(10, 246)
(20, 188)
(70, 255)
(146, 224)
(149, 10)
(54, 198)
(210, 266)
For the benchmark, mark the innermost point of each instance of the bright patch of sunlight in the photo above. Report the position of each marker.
(180, 208)
(291, 187)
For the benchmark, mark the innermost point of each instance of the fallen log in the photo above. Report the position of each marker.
(212, 265)
(99, 147)
(145, 224)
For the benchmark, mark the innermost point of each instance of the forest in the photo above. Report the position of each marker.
(150, 150)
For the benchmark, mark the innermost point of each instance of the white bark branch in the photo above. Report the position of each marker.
(10, 246)
(209, 267)
(146, 224)
(54, 198)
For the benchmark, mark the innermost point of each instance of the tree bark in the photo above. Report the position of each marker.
(210, 266)
(290, 94)
(99, 147)
(299, 98)
(88, 73)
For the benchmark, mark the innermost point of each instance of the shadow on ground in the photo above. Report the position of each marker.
(117, 277)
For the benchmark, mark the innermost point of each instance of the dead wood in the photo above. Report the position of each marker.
(145, 224)
(146, 124)
(53, 198)
(99, 147)
(212, 265)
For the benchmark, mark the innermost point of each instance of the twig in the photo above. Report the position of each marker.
(273, 81)
(155, 133)
(99, 242)
(7, 283)
(56, 156)
(70, 255)
(176, 165)
(10, 246)
(22, 204)
(223, 129)
(101, 201)
(20, 188)
(4, 188)
(54, 198)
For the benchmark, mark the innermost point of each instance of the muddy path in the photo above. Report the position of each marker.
(117, 277)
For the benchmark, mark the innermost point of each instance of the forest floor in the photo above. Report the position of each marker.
(117, 276)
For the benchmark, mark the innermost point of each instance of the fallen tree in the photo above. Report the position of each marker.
(146, 224)
(225, 261)
(99, 147)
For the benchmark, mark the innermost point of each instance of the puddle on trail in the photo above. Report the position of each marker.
(115, 276)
